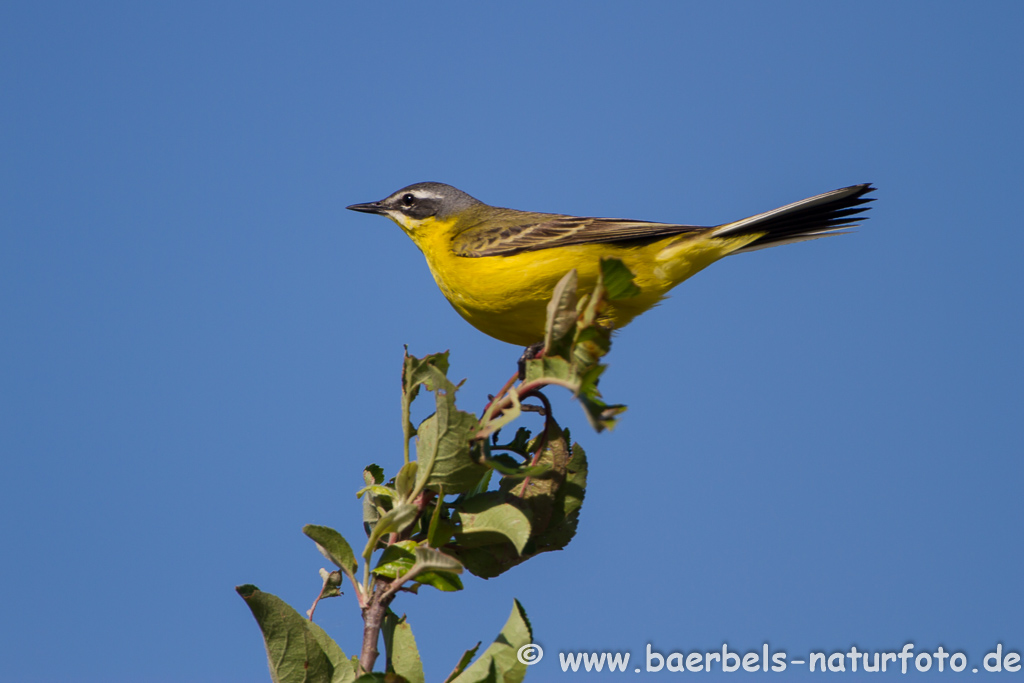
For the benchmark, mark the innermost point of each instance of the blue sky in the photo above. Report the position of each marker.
(201, 347)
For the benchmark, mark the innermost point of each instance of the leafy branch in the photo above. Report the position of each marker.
(437, 517)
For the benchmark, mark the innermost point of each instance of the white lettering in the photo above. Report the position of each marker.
(998, 656)
(905, 654)
(852, 654)
(726, 666)
(651, 654)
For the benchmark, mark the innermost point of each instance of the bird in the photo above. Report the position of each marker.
(497, 267)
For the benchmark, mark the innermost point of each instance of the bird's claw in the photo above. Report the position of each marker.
(529, 353)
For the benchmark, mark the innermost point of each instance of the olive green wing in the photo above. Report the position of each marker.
(558, 231)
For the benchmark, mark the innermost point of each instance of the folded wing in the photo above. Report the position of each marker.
(559, 231)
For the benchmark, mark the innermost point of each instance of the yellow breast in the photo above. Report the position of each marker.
(506, 296)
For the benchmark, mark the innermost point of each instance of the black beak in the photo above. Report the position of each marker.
(371, 207)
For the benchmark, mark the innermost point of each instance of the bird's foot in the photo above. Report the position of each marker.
(529, 353)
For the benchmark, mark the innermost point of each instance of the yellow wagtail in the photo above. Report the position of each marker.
(498, 267)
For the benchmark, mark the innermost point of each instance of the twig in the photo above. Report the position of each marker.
(542, 440)
(373, 616)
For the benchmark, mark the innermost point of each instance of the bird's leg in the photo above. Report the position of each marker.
(529, 353)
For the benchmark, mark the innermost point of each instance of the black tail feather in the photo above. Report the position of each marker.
(815, 217)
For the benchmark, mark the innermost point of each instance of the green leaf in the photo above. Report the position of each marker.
(394, 521)
(500, 658)
(373, 474)
(436, 532)
(489, 561)
(566, 509)
(509, 467)
(592, 344)
(404, 515)
(542, 492)
(333, 546)
(464, 661)
(430, 371)
(550, 366)
(618, 280)
(552, 502)
(561, 313)
(482, 484)
(442, 581)
(396, 560)
(399, 559)
(378, 677)
(294, 653)
(441, 533)
(403, 654)
(490, 424)
(405, 481)
(589, 307)
(344, 671)
(378, 490)
(444, 450)
(488, 515)
(371, 515)
(387, 632)
(436, 569)
(432, 559)
(488, 676)
(601, 415)
(518, 444)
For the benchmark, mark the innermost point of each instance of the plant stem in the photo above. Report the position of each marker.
(312, 609)
(542, 439)
(373, 616)
(406, 432)
(508, 385)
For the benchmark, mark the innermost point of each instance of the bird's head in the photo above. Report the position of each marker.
(420, 206)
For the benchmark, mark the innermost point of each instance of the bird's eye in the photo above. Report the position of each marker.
(408, 199)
